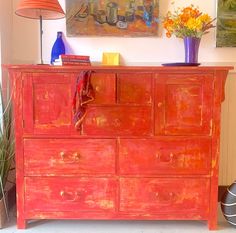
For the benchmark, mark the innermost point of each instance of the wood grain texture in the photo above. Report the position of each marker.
(165, 156)
(164, 195)
(16, 82)
(135, 88)
(50, 157)
(104, 86)
(183, 102)
(118, 120)
(218, 98)
(47, 103)
(84, 194)
(148, 148)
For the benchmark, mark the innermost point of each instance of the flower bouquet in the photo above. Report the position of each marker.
(189, 24)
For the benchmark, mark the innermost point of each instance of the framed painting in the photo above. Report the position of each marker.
(226, 23)
(128, 18)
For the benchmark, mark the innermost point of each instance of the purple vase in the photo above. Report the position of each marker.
(191, 46)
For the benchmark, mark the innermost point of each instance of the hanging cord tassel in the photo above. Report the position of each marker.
(84, 94)
(4, 198)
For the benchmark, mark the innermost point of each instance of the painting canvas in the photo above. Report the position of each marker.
(226, 23)
(131, 18)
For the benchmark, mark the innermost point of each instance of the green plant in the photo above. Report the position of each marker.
(7, 150)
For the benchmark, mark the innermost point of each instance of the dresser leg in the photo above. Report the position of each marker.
(21, 223)
(212, 224)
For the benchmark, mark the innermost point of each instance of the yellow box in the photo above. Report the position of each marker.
(112, 59)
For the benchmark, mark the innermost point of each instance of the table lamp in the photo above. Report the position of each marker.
(40, 9)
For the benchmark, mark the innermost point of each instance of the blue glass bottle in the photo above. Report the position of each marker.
(58, 48)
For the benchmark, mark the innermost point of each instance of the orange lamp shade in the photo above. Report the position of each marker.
(48, 9)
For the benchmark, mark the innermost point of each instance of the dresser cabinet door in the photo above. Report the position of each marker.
(47, 102)
(104, 85)
(134, 88)
(183, 104)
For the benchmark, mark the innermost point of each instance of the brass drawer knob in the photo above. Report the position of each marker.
(70, 196)
(159, 105)
(62, 154)
(75, 156)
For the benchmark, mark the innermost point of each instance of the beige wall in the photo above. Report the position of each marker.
(6, 48)
(149, 49)
(25, 49)
(228, 133)
(6, 25)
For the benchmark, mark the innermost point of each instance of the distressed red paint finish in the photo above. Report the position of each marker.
(70, 194)
(51, 157)
(148, 148)
(165, 156)
(183, 102)
(164, 195)
(118, 120)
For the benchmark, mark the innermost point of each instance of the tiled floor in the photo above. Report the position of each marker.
(74, 226)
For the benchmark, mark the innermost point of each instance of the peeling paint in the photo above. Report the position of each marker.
(106, 204)
(100, 121)
(145, 144)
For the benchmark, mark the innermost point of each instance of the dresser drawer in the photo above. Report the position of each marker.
(69, 156)
(165, 156)
(118, 120)
(164, 195)
(69, 194)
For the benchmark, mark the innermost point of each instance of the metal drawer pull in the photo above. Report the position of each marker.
(163, 160)
(76, 156)
(165, 197)
(72, 156)
(171, 194)
(62, 154)
(70, 196)
(159, 104)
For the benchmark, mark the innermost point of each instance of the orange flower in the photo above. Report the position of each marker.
(184, 18)
(168, 34)
(187, 21)
(168, 21)
(191, 11)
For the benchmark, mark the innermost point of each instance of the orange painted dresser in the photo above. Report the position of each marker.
(148, 147)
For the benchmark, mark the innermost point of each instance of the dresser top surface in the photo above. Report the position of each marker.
(159, 68)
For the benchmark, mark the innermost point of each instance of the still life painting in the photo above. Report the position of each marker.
(128, 18)
(226, 23)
